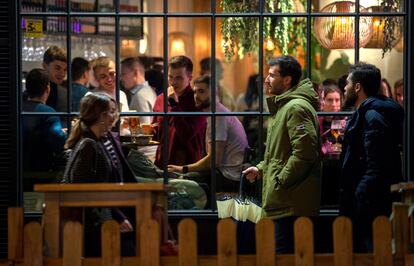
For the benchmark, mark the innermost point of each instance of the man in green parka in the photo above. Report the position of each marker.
(291, 165)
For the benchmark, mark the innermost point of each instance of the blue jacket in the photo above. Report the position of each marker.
(371, 157)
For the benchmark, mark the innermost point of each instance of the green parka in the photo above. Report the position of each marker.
(291, 169)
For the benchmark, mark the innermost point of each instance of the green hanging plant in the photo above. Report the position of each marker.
(241, 33)
(390, 24)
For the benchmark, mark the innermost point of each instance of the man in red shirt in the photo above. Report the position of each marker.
(185, 133)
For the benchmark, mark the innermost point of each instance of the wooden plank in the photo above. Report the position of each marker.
(304, 242)
(111, 244)
(382, 241)
(143, 210)
(226, 243)
(101, 187)
(265, 243)
(211, 260)
(400, 187)
(33, 244)
(51, 220)
(15, 233)
(150, 235)
(72, 244)
(400, 230)
(342, 241)
(187, 241)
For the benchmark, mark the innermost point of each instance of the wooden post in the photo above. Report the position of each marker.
(304, 251)
(51, 219)
(400, 230)
(33, 244)
(150, 239)
(15, 233)
(72, 244)
(382, 241)
(265, 243)
(226, 246)
(342, 240)
(187, 241)
(111, 244)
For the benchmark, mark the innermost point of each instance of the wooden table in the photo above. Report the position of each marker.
(141, 196)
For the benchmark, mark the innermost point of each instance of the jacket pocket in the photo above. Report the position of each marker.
(275, 197)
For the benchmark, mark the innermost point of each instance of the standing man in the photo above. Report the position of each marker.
(370, 159)
(55, 63)
(291, 166)
(80, 79)
(43, 137)
(231, 142)
(185, 134)
(141, 97)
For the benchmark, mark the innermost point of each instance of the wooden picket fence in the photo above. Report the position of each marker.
(25, 244)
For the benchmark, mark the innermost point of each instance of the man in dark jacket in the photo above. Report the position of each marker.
(370, 159)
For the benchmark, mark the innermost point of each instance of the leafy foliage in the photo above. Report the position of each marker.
(241, 34)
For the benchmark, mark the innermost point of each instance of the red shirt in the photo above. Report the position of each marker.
(185, 133)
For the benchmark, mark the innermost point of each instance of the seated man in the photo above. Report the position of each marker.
(231, 142)
(43, 137)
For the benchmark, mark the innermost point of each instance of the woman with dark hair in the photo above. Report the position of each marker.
(97, 157)
(385, 88)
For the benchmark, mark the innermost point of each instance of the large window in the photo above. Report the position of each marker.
(325, 36)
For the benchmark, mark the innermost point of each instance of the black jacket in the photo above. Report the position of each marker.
(90, 163)
(371, 157)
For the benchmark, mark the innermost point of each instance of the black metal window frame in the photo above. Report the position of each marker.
(261, 14)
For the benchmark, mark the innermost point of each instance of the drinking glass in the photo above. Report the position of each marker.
(133, 123)
(336, 128)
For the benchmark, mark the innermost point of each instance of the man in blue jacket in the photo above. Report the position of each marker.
(370, 159)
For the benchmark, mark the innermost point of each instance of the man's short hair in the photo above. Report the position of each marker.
(132, 63)
(54, 53)
(288, 67)
(205, 65)
(206, 79)
(103, 61)
(79, 66)
(369, 76)
(36, 82)
(181, 61)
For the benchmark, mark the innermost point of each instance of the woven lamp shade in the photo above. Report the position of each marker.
(339, 32)
(378, 23)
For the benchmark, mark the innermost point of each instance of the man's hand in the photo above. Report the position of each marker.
(252, 173)
(172, 94)
(175, 168)
(125, 226)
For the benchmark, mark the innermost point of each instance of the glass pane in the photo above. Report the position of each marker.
(83, 5)
(226, 6)
(32, 6)
(386, 52)
(106, 5)
(237, 48)
(188, 6)
(333, 7)
(285, 35)
(383, 6)
(130, 6)
(332, 129)
(331, 61)
(42, 144)
(294, 6)
(152, 5)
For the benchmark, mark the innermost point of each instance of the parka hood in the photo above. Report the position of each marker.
(303, 90)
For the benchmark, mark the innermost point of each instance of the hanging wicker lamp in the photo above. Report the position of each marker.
(339, 32)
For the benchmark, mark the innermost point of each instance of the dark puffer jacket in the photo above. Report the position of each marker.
(371, 159)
